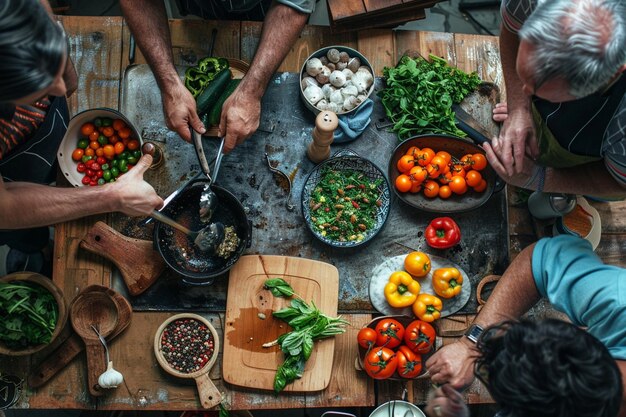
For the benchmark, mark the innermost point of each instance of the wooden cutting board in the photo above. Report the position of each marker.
(246, 363)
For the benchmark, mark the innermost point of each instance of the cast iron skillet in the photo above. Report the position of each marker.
(457, 147)
(180, 253)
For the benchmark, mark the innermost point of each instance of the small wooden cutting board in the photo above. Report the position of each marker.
(246, 362)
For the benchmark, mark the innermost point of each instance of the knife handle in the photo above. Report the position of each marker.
(473, 134)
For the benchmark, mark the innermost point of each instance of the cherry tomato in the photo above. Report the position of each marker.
(366, 337)
(94, 144)
(87, 129)
(118, 124)
(445, 192)
(420, 336)
(480, 161)
(90, 152)
(99, 152)
(78, 153)
(445, 155)
(108, 131)
(417, 264)
(481, 187)
(457, 169)
(81, 167)
(412, 151)
(458, 185)
(425, 156)
(467, 161)
(403, 183)
(133, 145)
(409, 364)
(119, 148)
(473, 178)
(82, 143)
(405, 163)
(380, 363)
(85, 180)
(418, 174)
(389, 333)
(416, 187)
(101, 160)
(94, 135)
(445, 178)
(431, 189)
(109, 151)
(124, 133)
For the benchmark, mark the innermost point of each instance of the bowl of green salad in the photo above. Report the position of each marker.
(346, 200)
(33, 312)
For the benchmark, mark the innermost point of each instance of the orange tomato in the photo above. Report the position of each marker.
(99, 152)
(78, 154)
(119, 148)
(473, 178)
(458, 185)
(94, 144)
(118, 124)
(405, 163)
(109, 151)
(94, 135)
(416, 187)
(114, 139)
(132, 144)
(87, 129)
(445, 192)
(480, 161)
(445, 155)
(418, 174)
(445, 178)
(467, 161)
(412, 151)
(108, 131)
(90, 151)
(403, 183)
(457, 169)
(431, 189)
(124, 133)
(481, 186)
(425, 156)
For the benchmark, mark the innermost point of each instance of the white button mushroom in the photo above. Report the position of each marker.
(349, 90)
(362, 80)
(349, 74)
(334, 107)
(337, 78)
(307, 81)
(327, 89)
(354, 64)
(350, 103)
(336, 97)
(333, 55)
(322, 77)
(313, 67)
(313, 94)
(322, 104)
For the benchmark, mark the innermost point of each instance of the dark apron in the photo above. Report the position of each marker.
(225, 9)
(35, 161)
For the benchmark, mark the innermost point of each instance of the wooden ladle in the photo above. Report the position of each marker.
(209, 395)
(95, 308)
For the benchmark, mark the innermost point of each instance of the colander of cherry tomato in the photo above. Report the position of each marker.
(100, 145)
(441, 174)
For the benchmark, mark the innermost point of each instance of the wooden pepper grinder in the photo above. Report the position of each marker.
(325, 124)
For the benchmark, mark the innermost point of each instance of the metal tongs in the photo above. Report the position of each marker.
(208, 199)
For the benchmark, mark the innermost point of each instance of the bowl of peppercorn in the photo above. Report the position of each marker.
(186, 346)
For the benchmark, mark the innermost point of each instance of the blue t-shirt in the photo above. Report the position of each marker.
(578, 283)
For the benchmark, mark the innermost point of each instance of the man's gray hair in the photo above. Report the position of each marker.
(582, 41)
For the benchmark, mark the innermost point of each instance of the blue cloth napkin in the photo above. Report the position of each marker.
(352, 125)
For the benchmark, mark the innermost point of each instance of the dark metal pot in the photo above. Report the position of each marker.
(179, 251)
(456, 147)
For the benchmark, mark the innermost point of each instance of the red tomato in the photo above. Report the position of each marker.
(118, 124)
(78, 154)
(409, 363)
(380, 363)
(87, 129)
(420, 336)
(389, 333)
(133, 144)
(366, 337)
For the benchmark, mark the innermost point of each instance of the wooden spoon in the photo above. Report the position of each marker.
(209, 395)
(98, 309)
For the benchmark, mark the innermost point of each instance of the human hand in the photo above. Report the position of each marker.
(133, 195)
(453, 364)
(518, 137)
(179, 108)
(446, 402)
(527, 178)
(239, 119)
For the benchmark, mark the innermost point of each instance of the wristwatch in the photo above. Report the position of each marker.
(474, 332)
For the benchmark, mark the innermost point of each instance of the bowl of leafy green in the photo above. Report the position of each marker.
(346, 200)
(33, 312)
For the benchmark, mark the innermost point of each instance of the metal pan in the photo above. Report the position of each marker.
(180, 253)
(457, 147)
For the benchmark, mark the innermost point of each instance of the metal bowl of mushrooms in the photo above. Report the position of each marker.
(336, 78)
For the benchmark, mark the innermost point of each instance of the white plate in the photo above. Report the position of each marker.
(380, 277)
(399, 409)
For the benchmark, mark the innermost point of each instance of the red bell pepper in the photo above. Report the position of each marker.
(442, 233)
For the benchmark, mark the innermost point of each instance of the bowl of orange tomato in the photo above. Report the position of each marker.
(99, 146)
(441, 174)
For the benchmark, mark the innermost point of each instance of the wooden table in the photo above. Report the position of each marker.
(100, 50)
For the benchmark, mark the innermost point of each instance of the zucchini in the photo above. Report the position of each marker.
(212, 91)
(216, 109)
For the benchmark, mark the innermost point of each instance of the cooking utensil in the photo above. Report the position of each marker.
(209, 395)
(245, 362)
(180, 253)
(285, 178)
(469, 125)
(104, 343)
(139, 264)
(94, 308)
(457, 147)
(208, 199)
(73, 345)
(383, 410)
(206, 239)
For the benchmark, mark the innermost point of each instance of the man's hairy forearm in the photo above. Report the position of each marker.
(147, 20)
(281, 28)
(24, 205)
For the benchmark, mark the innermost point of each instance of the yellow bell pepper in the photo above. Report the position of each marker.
(427, 307)
(447, 282)
(401, 290)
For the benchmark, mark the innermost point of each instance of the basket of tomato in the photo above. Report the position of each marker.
(99, 146)
(396, 347)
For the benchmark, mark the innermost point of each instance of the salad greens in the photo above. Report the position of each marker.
(29, 314)
(308, 324)
(419, 94)
(344, 204)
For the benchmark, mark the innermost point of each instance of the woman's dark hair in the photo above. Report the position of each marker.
(32, 48)
(549, 368)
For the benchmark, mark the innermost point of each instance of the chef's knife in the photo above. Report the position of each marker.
(469, 125)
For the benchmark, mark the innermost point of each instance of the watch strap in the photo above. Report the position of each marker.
(474, 332)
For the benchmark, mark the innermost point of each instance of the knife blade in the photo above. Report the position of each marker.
(471, 126)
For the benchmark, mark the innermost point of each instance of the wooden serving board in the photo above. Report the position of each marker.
(246, 362)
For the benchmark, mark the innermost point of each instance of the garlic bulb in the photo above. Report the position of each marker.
(337, 78)
(313, 67)
(313, 93)
(110, 378)
(350, 103)
(333, 55)
(334, 107)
